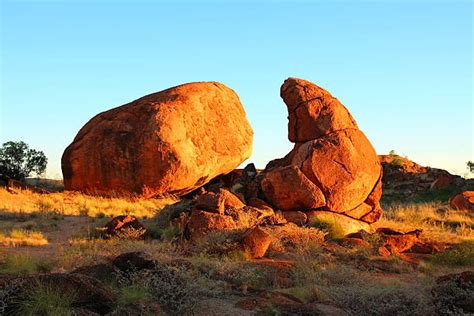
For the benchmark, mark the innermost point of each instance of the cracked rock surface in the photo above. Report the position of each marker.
(332, 167)
(172, 141)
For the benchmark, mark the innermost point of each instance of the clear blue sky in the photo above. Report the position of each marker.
(403, 68)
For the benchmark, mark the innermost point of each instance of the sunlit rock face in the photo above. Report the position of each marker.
(171, 141)
(332, 167)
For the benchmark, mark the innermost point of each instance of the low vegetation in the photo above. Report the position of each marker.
(71, 203)
(214, 269)
(18, 237)
(45, 300)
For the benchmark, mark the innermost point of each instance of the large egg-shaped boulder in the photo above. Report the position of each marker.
(172, 141)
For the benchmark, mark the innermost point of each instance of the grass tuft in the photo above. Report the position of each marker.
(44, 300)
(20, 237)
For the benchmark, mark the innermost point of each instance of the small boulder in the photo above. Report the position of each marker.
(200, 223)
(395, 242)
(217, 202)
(296, 217)
(124, 226)
(463, 201)
(256, 242)
(134, 261)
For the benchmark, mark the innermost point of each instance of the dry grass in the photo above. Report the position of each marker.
(438, 222)
(320, 271)
(20, 237)
(73, 203)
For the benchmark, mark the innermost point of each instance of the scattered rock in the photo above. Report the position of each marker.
(395, 242)
(463, 201)
(166, 142)
(124, 226)
(256, 242)
(134, 261)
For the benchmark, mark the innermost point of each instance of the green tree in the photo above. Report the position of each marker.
(470, 165)
(18, 161)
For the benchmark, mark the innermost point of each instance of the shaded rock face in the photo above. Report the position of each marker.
(172, 141)
(332, 167)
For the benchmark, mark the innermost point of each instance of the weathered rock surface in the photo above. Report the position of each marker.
(332, 167)
(463, 201)
(172, 141)
(256, 242)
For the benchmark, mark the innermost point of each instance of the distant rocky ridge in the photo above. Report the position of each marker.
(403, 178)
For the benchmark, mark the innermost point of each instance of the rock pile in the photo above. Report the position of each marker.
(172, 141)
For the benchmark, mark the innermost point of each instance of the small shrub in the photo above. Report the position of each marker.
(132, 294)
(172, 232)
(170, 287)
(44, 300)
(24, 263)
(131, 233)
(20, 237)
(460, 255)
(217, 244)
